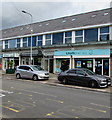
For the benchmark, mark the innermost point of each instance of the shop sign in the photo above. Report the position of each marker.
(83, 52)
(11, 55)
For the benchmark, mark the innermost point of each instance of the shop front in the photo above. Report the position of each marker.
(10, 60)
(97, 60)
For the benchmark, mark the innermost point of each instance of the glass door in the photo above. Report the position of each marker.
(106, 67)
(98, 66)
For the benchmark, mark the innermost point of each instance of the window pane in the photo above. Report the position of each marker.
(68, 34)
(58, 38)
(91, 35)
(48, 36)
(34, 41)
(48, 42)
(78, 39)
(104, 30)
(18, 40)
(40, 37)
(39, 43)
(29, 41)
(68, 40)
(79, 33)
(18, 45)
(24, 39)
(12, 43)
(104, 37)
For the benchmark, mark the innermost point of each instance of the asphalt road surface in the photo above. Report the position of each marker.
(32, 99)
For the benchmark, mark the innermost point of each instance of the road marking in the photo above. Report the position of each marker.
(14, 110)
(25, 94)
(100, 105)
(59, 101)
(5, 91)
(2, 95)
(94, 109)
(51, 115)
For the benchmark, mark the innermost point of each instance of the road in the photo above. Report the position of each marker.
(33, 99)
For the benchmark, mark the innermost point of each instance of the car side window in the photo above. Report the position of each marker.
(27, 68)
(79, 72)
(72, 71)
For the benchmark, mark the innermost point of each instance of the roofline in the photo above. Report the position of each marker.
(59, 18)
(62, 30)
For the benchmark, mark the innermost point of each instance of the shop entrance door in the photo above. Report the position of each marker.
(98, 66)
(106, 67)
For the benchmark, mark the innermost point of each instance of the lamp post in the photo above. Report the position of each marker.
(31, 35)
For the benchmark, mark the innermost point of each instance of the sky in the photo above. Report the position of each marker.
(11, 10)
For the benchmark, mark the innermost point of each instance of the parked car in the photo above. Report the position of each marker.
(84, 76)
(32, 72)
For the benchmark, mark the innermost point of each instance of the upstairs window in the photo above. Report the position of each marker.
(48, 39)
(78, 36)
(12, 43)
(39, 40)
(57, 38)
(18, 43)
(6, 44)
(34, 40)
(68, 37)
(25, 42)
(104, 33)
(91, 35)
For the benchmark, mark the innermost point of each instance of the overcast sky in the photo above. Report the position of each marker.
(11, 15)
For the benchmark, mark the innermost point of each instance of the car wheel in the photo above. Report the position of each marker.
(35, 77)
(18, 76)
(93, 84)
(64, 80)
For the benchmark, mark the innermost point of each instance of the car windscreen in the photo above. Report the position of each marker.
(89, 72)
(37, 68)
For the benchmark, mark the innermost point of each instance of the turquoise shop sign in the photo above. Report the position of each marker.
(83, 52)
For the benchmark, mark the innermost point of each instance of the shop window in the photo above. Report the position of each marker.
(68, 37)
(48, 39)
(78, 36)
(104, 33)
(18, 43)
(6, 44)
(39, 40)
(25, 42)
(91, 35)
(58, 38)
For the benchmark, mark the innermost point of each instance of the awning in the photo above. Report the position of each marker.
(36, 54)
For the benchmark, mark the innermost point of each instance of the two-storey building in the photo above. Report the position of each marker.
(82, 41)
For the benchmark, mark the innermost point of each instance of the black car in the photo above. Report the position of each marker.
(84, 76)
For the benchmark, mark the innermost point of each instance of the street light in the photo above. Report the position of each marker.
(31, 35)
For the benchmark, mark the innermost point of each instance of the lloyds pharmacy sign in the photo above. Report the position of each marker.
(83, 52)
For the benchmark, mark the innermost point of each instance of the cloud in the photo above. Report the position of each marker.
(12, 16)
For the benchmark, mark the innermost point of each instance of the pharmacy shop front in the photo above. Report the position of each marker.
(97, 60)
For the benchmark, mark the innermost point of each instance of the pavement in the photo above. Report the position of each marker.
(54, 81)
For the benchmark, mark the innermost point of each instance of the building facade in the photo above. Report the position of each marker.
(82, 41)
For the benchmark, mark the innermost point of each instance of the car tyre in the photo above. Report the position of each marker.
(64, 80)
(18, 76)
(93, 84)
(35, 77)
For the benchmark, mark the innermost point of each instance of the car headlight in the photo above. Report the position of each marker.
(41, 74)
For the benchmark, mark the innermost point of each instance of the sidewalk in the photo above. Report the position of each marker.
(54, 81)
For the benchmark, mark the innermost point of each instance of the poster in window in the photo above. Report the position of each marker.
(89, 64)
(78, 65)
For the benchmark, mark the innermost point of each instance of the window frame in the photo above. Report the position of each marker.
(79, 36)
(67, 37)
(104, 33)
(48, 39)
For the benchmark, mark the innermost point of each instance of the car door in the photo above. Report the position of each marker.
(28, 73)
(71, 76)
(82, 77)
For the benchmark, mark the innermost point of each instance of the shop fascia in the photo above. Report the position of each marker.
(83, 53)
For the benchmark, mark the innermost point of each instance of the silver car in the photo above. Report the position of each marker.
(32, 72)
